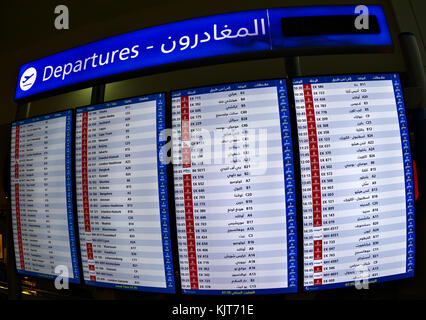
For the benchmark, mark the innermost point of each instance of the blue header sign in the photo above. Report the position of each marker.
(232, 33)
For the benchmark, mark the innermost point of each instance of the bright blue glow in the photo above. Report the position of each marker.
(407, 163)
(233, 33)
(279, 42)
(159, 99)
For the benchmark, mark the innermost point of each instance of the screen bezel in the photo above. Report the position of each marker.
(341, 285)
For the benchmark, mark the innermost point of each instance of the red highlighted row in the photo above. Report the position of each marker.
(190, 232)
(84, 178)
(187, 193)
(314, 155)
(315, 173)
(17, 132)
(185, 136)
(17, 206)
(89, 248)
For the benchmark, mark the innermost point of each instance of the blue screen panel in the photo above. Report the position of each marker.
(122, 203)
(327, 40)
(357, 180)
(213, 36)
(41, 197)
(234, 189)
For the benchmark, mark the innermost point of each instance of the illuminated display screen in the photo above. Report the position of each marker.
(234, 189)
(41, 197)
(356, 174)
(263, 31)
(122, 202)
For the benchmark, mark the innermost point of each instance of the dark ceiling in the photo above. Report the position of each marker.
(27, 29)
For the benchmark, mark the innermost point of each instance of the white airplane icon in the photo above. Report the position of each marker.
(27, 78)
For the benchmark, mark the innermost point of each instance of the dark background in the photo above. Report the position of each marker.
(27, 33)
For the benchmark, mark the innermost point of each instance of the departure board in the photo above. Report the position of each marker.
(122, 204)
(356, 174)
(234, 189)
(41, 197)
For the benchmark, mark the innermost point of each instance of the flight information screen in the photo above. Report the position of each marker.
(234, 189)
(122, 204)
(41, 197)
(356, 174)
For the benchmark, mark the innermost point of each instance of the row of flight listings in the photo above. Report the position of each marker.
(234, 188)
